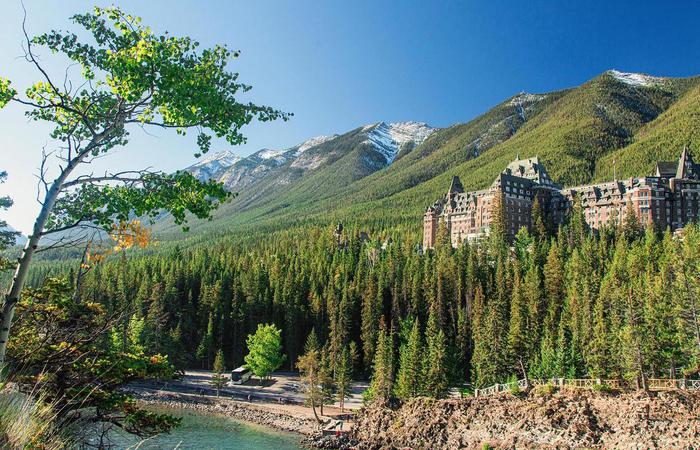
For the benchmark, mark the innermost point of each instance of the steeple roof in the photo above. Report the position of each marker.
(456, 186)
(686, 166)
(529, 168)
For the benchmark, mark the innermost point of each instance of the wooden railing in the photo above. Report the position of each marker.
(653, 384)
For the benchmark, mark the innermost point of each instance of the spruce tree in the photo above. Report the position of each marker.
(409, 379)
(598, 354)
(311, 379)
(382, 382)
(218, 379)
(370, 319)
(518, 345)
(436, 359)
(498, 228)
(343, 378)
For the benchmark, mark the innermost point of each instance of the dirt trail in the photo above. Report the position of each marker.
(563, 420)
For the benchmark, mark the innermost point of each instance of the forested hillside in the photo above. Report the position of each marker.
(619, 305)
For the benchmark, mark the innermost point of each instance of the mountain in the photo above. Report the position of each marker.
(214, 165)
(387, 173)
(367, 149)
(246, 171)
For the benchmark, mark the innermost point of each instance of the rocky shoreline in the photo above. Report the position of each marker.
(559, 420)
(258, 414)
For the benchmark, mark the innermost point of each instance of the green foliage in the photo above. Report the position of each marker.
(312, 378)
(343, 378)
(383, 368)
(218, 378)
(184, 86)
(602, 387)
(435, 364)
(63, 357)
(264, 350)
(178, 194)
(410, 377)
(545, 390)
(513, 387)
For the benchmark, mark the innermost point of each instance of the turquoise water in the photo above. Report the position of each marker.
(211, 431)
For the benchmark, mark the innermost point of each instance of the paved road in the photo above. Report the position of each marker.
(284, 387)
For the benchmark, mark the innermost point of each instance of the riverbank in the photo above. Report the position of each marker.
(289, 418)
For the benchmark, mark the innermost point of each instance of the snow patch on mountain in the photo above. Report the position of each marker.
(212, 166)
(636, 79)
(389, 139)
(313, 142)
(269, 154)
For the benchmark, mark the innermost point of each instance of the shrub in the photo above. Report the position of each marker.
(513, 386)
(601, 387)
(465, 392)
(545, 390)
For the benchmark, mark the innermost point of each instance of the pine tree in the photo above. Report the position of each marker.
(518, 345)
(383, 370)
(630, 227)
(577, 226)
(311, 342)
(532, 299)
(539, 229)
(326, 379)
(435, 363)
(309, 366)
(598, 354)
(218, 379)
(204, 350)
(498, 229)
(370, 319)
(409, 379)
(343, 378)
(554, 292)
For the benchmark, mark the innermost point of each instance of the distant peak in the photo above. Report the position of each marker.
(388, 138)
(313, 142)
(220, 156)
(267, 153)
(635, 79)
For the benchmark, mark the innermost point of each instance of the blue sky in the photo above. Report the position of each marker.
(341, 64)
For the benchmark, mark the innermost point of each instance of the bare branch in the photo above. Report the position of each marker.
(83, 224)
(118, 177)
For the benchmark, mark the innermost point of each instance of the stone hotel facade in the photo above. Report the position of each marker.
(668, 199)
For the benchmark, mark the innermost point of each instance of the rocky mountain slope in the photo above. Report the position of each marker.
(388, 173)
(567, 419)
(382, 142)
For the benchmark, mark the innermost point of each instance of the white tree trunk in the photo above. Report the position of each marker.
(8, 307)
(20, 277)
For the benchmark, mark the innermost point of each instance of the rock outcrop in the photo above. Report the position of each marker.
(566, 419)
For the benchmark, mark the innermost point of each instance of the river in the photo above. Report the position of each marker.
(203, 431)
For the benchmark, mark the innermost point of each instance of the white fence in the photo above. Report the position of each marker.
(653, 384)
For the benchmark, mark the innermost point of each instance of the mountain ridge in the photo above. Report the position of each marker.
(575, 132)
